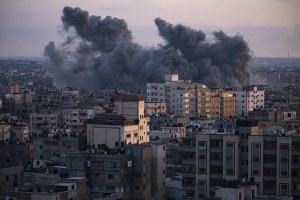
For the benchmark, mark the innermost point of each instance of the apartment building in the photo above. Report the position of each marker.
(155, 107)
(126, 172)
(46, 121)
(129, 125)
(271, 162)
(191, 99)
(53, 151)
(74, 119)
(112, 130)
(217, 160)
(248, 98)
(60, 188)
(132, 108)
(274, 162)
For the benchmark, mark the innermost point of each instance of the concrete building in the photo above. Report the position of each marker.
(168, 134)
(54, 151)
(112, 130)
(263, 115)
(174, 188)
(15, 154)
(44, 121)
(158, 120)
(155, 107)
(270, 162)
(10, 178)
(286, 115)
(61, 188)
(132, 108)
(217, 160)
(248, 98)
(191, 99)
(238, 192)
(74, 119)
(158, 171)
(274, 162)
(129, 125)
(125, 172)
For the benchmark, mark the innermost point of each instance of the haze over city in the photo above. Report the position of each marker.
(270, 27)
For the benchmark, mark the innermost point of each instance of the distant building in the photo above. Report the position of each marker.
(125, 172)
(191, 99)
(248, 98)
(155, 107)
(128, 126)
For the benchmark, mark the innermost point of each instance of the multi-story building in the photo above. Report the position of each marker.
(179, 95)
(126, 172)
(59, 188)
(44, 121)
(191, 99)
(112, 130)
(274, 162)
(248, 98)
(74, 119)
(155, 107)
(132, 108)
(10, 178)
(217, 160)
(128, 125)
(269, 161)
(158, 171)
(48, 152)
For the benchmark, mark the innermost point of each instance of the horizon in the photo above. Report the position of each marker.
(272, 31)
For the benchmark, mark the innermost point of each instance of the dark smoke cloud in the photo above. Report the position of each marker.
(101, 53)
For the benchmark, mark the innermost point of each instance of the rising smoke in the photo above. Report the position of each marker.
(101, 53)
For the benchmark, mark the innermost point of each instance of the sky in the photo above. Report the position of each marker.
(271, 27)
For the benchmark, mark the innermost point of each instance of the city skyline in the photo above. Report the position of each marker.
(270, 27)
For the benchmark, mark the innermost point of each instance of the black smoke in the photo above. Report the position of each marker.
(101, 53)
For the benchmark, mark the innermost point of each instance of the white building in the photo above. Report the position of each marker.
(248, 98)
(128, 125)
(180, 95)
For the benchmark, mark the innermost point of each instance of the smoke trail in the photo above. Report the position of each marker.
(101, 53)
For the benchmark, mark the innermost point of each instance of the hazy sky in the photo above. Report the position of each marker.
(271, 27)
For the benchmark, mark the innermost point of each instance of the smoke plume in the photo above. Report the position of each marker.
(101, 53)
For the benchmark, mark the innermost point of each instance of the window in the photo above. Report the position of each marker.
(110, 176)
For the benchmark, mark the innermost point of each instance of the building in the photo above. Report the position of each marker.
(174, 188)
(274, 162)
(217, 160)
(10, 178)
(53, 151)
(128, 126)
(40, 122)
(270, 162)
(112, 130)
(158, 171)
(191, 99)
(155, 107)
(132, 108)
(248, 98)
(126, 172)
(74, 119)
(60, 188)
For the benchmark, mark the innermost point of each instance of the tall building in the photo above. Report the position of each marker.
(191, 99)
(248, 98)
(132, 107)
(271, 162)
(129, 172)
(129, 125)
